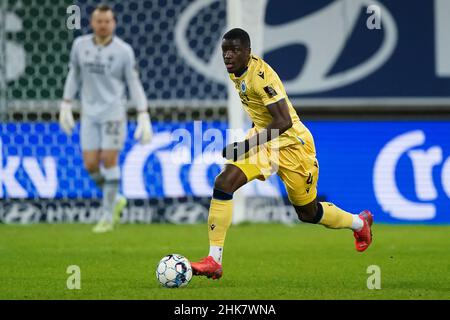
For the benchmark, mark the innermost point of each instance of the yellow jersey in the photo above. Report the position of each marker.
(260, 86)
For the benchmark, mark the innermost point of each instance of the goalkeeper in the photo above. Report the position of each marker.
(101, 65)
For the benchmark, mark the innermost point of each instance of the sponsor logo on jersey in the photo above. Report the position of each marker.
(270, 91)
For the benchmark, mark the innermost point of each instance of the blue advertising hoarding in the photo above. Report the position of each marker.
(400, 170)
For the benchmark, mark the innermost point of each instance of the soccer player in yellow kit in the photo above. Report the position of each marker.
(278, 142)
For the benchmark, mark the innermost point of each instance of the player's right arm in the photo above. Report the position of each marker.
(281, 121)
(272, 94)
(71, 88)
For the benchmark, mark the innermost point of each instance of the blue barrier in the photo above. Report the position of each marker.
(400, 170)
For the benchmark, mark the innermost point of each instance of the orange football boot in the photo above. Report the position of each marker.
(363, 237)
(207, 267)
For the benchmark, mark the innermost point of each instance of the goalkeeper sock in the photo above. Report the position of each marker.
(219, 220)
(98, 178)
(110, 189)
(336, 218)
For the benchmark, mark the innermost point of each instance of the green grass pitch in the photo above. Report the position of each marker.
(261, 261)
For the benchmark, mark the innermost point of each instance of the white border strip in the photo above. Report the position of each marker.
(355, 103)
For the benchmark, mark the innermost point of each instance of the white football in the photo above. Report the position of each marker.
(174, 271)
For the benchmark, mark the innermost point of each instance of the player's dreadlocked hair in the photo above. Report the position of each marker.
(240, 34)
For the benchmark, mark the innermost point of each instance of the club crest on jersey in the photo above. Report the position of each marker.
(243, 86)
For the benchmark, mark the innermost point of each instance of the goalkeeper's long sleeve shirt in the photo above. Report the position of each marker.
(101, 74)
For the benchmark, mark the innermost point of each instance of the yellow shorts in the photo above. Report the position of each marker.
(295, 164)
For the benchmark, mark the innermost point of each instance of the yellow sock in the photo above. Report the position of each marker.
(219, 220)
(335, 218)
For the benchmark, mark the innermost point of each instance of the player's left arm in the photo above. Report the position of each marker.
(144, 131)
(134, 84)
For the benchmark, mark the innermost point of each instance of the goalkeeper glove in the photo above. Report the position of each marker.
(66, 117)
(143, 130)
